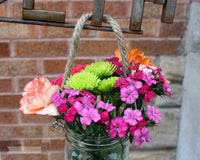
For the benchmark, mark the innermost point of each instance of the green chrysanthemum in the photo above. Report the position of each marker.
(83, 80)
(107, 85)
(101, 69)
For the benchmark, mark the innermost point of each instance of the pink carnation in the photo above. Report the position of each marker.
(77, 69)
(37, 97)
(141, 135)
(57, 81)
(153, 114)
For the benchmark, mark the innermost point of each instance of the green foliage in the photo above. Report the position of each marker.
(101, 69)
(107, 85)
(83, 80)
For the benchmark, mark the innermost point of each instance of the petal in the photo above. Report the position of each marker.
(112, 132)
(51, 110)
(86, 120)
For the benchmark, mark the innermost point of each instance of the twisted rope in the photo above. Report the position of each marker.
(75, 40)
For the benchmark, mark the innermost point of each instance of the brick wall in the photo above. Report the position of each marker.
(27, 51)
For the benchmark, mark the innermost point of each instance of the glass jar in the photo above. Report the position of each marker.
(96, 148)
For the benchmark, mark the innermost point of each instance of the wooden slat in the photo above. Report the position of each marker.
(28, 4)
(136, 15)
(43, 15)
(98, 10)
(168, 11)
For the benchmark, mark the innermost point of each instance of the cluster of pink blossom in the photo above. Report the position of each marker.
(82, 103)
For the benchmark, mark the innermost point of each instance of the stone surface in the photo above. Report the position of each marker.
(172, 67)
(153, 155)
(189, 146)
(165, 134)
(192, 38)
(176, 100)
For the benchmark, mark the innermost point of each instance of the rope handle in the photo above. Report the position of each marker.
(75, 40)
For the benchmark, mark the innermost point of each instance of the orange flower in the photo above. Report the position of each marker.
(136, 56)
(37, 97)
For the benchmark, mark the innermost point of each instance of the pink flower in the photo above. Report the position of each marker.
(77, 69)
(85, 103)
(167, 89)
(57, 81)
(104, 117)
(139, 125)
(118, 126)
(153, 114)
(122, 82)
(131, 116)
(71, 93)
(141, 135)
(149, 79)
(91, 97)
(37, 97)
(148, 96)
(58, 99)
(89, 115)
(71, 114)
(63, 108)
(129, 94)
(106, 106)
(119, 66)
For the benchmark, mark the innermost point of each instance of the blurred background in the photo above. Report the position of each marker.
(28, 51)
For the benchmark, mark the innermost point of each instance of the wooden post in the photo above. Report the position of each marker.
(98, 10)
(136, 15)
(28, 4)
(168, 11)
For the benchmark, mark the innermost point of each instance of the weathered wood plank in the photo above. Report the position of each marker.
(28, 4)
(136, 15)
(168, 11)
(43, 15)
(98, 10)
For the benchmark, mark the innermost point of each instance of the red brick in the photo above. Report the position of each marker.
(8, 117)
(2, 10)
(4, 145)
(15, 9)
(154, 47)
(38, 156)
(21, 131)
(41, 48)
(58, 5)
(22, 82)
(172, 30)
(58, 132)
(9, 101)
(80, 7)
(19, 67)
(8, 30)
(56, 156)
(36, 118)
(152, 10)
(56, 32)
(97, 47)
(181, 10)
(49, 65)
(6, 85)
(4, 49)
(46, 144)
(118, 9)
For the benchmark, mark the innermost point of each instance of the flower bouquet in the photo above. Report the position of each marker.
(103, 105)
